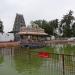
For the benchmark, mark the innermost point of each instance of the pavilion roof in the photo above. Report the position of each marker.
(35, 30)
(32, 33)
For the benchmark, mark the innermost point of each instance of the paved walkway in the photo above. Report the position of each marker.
(8, 44)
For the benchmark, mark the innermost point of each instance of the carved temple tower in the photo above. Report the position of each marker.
(19, 22)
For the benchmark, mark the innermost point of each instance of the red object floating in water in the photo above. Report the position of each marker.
(43, 54)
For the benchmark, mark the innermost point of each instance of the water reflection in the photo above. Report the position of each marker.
(1, 57)
(21, 61)
(63, 48)
(26, 60)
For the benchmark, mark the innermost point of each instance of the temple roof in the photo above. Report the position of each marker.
(32, 33)
(35, 30)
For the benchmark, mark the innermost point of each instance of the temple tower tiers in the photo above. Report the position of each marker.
(1, 26)
(19, 22)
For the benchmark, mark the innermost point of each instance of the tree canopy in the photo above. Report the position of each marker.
(66, 26)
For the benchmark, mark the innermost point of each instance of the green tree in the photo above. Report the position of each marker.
(49, 27)
(73, 30)
(53, 26)
(1, 26)
(38, 22)
(66, 24)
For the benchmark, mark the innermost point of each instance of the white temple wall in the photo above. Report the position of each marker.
(6, 37)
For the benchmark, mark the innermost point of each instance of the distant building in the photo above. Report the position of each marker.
(6, 37)
(19, 22)
(1, 26)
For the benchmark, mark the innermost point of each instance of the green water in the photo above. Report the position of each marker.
(21, 61)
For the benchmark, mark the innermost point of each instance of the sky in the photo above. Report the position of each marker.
(33, 10)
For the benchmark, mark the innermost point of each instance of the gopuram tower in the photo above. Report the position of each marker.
(19, 22)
